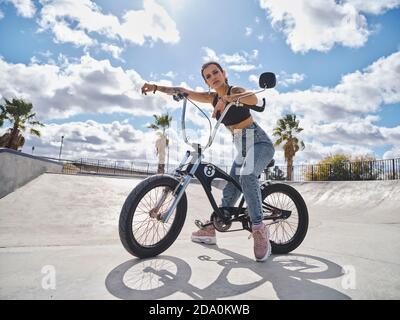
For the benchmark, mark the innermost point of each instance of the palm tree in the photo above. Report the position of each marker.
(286, 131)
(161, 123)
(18, 112)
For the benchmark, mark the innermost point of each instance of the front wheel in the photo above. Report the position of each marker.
(285, 234)
(141, 229)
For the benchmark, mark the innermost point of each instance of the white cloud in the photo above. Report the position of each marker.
(1, 15)
(170, 74)
(248, 31)
(357, 92)
(392, 153)
(254, 79)
(342, 118)
(115, 51)
(154, 22)
(84, 86)
(25, 8)
(64, 34)
(211, 55)
(237, 62)
(73, 20)
(286, 80)
(91, 139)
(360, 131)
(373, 6)
(235, 58)
(242, 67)
(320, 24)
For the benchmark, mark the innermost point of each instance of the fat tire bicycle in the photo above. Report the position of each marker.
(155, 211)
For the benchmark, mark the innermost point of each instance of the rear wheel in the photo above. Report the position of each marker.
(141, 229)
(285, 234)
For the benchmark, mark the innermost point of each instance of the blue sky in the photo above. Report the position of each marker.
(82, 64)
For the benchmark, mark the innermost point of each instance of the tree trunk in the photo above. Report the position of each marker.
(161, 146)
(13, 135)
(289, 169)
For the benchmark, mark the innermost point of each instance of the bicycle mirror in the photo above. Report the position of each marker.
(267, 80)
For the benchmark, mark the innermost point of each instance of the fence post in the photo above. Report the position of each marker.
(393, 171)
(312, 172)
(370, 170)
(351, 176)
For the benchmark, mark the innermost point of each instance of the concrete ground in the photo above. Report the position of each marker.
(59, 240)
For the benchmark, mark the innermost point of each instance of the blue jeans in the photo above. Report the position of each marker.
(255, 151)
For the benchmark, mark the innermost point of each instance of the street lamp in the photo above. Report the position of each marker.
(62, 139)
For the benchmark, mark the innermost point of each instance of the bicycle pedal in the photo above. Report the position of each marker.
(199, 224)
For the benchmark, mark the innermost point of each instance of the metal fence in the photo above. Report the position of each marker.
(340, 171)
(109, 167)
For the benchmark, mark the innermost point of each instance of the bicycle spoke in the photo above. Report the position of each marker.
(282, 231)
(147, 230)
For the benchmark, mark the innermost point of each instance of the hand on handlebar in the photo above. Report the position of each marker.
(147, 87)
(219, 107)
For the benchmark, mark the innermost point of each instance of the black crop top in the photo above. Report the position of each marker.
(234, 115)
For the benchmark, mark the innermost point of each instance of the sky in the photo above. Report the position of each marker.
(82, 64)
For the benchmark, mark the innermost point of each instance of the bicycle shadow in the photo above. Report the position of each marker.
(291, 277)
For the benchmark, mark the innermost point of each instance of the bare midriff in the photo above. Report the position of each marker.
(241, 125)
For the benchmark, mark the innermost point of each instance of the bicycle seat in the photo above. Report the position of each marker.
(271, 164)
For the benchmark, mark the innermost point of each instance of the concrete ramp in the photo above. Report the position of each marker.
(68, 226)
(372, 201)
(17, 168)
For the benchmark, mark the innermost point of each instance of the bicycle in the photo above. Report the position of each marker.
(154, 212)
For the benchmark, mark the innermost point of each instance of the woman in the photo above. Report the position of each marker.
(255, 150)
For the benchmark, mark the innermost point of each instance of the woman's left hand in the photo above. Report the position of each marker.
(227, 99)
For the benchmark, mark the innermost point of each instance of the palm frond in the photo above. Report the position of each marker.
(35, 132)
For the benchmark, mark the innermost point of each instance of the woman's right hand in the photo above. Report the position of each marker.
(147, 87)
(219, 107)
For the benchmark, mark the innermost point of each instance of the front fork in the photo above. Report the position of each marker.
(181, 187)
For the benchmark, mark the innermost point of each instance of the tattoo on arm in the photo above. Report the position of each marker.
(169, 90)
(197, 96)
(236, 90)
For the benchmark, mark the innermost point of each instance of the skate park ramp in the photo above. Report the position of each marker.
(59, 240)
(18, 168)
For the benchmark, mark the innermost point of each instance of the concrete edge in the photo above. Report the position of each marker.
(17, 169)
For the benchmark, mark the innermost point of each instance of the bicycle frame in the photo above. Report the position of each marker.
(195, 167)
(205, 173)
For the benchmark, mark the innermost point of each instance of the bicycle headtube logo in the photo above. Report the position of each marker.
(209, 171)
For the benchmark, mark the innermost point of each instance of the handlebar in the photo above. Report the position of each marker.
(253, 107)
(196, 146)
(180, 96)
